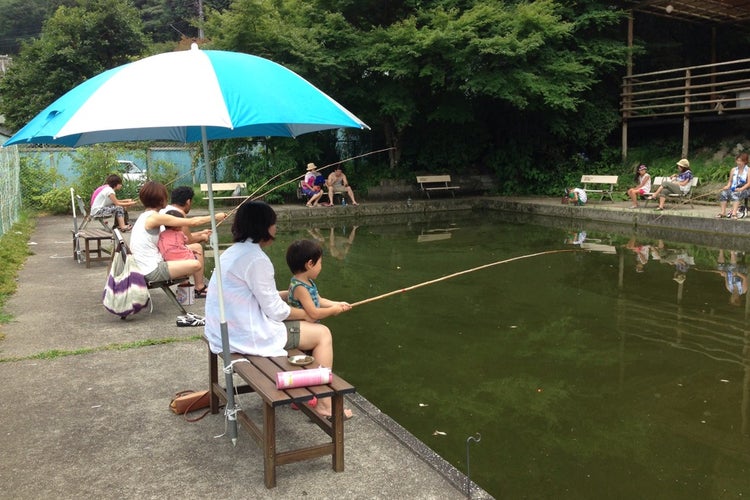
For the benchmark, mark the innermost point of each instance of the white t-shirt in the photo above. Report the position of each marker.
(102, 199)
(253, 309)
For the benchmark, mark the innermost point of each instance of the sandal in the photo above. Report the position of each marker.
(125, 229)
(658, 208)
(191, 319)
(201, 294)
(720, 216)
(731, 215)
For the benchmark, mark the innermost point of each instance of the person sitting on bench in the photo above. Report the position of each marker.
(104, 202)
(145, 236)
(259, 320)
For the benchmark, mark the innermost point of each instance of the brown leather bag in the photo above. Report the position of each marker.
(186, 401)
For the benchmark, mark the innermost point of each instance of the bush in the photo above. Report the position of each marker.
(56, 201)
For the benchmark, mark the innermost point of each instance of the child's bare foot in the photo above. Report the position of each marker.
(347, 414)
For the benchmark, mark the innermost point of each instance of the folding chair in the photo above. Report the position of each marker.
(92, 250)
(87, 217)
(122, 247)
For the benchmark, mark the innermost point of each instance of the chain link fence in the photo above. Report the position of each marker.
(10, 188)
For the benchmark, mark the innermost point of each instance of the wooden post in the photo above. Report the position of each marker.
(626, 96)
(686, 116)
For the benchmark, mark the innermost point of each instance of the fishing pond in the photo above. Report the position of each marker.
(613, 363)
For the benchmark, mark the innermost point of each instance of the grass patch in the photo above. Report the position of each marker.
(59, 353)
(14, 249)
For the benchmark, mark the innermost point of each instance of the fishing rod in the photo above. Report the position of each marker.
(443, 278)
(323, 168)
(251, 195)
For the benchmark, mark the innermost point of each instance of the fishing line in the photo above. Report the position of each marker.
(443, 278)
(323, 168)
(253, 196)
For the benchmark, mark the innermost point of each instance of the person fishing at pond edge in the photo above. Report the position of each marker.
(338, 183)
(305, 261)
(259, 320)
(642, 185)
(577, 195)
(678, 183)
(737, 187)
(312, 185)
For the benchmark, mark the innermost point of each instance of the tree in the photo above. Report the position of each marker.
(450, 83)
(76, 43)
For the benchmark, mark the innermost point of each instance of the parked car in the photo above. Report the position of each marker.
(132, 172)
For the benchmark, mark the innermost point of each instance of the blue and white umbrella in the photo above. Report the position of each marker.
(189, 96)
(176, 95)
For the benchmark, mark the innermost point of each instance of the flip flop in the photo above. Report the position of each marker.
(201, 294)
(125, 229)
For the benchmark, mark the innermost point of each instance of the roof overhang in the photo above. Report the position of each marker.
(698, 11)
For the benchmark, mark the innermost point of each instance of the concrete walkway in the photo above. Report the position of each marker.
(96, 423)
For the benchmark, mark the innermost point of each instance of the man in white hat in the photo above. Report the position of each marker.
(310, 187)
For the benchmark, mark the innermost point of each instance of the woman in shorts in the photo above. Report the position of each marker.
(258, 318)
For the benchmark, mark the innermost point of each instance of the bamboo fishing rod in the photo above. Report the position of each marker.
(231, 212)
(321, 169)
(443, 278)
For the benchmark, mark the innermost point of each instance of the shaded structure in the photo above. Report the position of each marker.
(716, 91)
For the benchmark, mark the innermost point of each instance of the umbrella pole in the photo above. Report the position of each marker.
(230, 411)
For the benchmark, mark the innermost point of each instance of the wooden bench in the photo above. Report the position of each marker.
(429, 183)
(92, 250)
(259, 375)
(122, 247)
(226, 186)
(606, 185)
(684, 197)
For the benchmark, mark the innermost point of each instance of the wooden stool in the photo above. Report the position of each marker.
(93, 250)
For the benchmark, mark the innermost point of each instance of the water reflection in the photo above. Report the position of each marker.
(583, 376)
(338, 243)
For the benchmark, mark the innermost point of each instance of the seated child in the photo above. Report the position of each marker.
(305, 261)
(172, 245)
(577, 195)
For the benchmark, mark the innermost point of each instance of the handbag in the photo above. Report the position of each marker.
(186, 401)
(126, 290)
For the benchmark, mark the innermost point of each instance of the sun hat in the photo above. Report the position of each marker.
(684, 163)
(311, 166)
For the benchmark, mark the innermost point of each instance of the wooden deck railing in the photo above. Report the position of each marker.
(712, 88)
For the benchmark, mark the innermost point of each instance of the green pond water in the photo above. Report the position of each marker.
(621, 369)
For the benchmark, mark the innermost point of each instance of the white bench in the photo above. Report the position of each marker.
(687, 197)
(606, 185)
(234, 187)
(429, 183)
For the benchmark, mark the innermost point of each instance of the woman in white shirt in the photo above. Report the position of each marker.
(258, 318)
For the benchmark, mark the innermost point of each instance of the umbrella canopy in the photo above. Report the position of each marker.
(172, 96)
(189, 96)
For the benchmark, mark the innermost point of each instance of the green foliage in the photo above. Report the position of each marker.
(76, 43)
(56, 201)
(36, 180)
(14, 249)
(93, 165)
